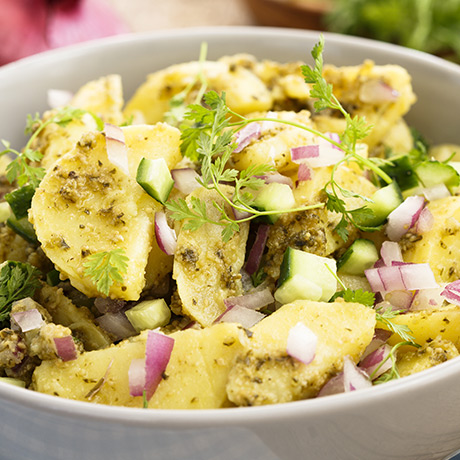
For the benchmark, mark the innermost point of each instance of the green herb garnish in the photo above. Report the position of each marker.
(105, 268)
(18, 280)
(20, 169)
(177, 106)
(356, 130)
(392, 373)
(211, 140)
(208, 134)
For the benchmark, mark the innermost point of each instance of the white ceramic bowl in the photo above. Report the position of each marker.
(414, 418)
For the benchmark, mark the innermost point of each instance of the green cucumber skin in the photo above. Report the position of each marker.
(20, 200)
(23, 228)
(273, 197)
(155, 178)
(432, 173)
(361, 255)
(385, 200)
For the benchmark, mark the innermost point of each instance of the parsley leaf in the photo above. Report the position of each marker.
(105, 268)
(356, 130)
(18, 280)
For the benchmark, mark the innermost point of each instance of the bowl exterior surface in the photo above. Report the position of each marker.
(417, 418)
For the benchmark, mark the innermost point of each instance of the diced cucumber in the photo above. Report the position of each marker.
(13, 381)
(402, 171)
(274, 197)
(432, 173)
(5, 211)
(149, 314)
(155, 178)
(305, 276)
(360, 256)
(384, 201)
(23, 228)
(20, 200)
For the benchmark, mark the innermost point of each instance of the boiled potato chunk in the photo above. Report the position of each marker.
(266, 374)
(86, 205)
(245, 92)
(430, 355)
(78, 319)
(206, 269)
(274, 146)
(366, 88)
(425, 326)
(196, 373)
(103, 97)
(439, 246)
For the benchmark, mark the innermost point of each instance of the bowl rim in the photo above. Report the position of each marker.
(229, 416)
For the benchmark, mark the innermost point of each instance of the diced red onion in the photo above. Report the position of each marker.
(301, 343)
(370, 364)
(428, 299)
(379, 263)
(157, 355)
(451, 292)
(28, 320)
(401, 277)
(116, 325)
(165, 235)
(401, 300)
(117, 151)
(246, 135)
(257, 249)
(241, 315)
(379, 338)
(436, 192)
(390, 252)
(375, 282)
(65, 348)
(377, 92)
(418, 276)
(404, 217)
(185, 180)
(239, 215)
(425, 221)
(304, 152)
(278, 178)
(304, 173)
(254, 301)
(136, 377)
(333, 386)
(59, 98)
(354, 378)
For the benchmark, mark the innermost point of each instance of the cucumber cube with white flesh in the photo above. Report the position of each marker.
(274, 197)
(384, 201)
(360, 256)
(306, 276)
(149, 314)
(154, 177)
(5, 211)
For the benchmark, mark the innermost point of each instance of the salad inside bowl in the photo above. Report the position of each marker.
(242, 232)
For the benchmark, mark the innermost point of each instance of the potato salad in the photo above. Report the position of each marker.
(240, 232)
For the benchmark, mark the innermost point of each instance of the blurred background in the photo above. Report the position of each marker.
(30, 26)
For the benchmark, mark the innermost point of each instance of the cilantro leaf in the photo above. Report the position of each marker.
(105, 268)
(18, 280)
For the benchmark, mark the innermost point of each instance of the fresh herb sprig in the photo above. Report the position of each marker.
(210, 140)
(356, 129)
(20, 169)
(392, 373)
(207, 136)
(18, 280)
(106, 268)
(177, 106)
